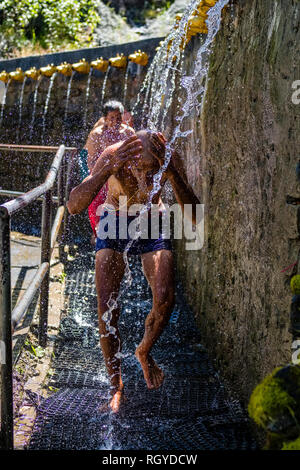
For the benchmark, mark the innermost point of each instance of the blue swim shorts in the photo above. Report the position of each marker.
(138, 246)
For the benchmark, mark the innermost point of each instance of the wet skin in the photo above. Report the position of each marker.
(129, 168)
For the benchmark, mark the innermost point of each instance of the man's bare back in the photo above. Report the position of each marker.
(102, 137)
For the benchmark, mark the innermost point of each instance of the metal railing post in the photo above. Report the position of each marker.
(45, 258)
(61, 200)
(68, 182)
(5, 332)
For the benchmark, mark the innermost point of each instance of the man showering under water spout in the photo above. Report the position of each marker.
(129, 168)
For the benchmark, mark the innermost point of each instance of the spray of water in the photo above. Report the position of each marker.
(20, 108)
(159, 86)
(68, 99)
(47, 104)
(4, 102)
(125, 85)
(38, 81)
(87, 94)
(104, 85)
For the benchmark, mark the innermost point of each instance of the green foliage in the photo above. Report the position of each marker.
(269, 400)
(275, 406)
(144, 10)
(47, 22)
(292, 445)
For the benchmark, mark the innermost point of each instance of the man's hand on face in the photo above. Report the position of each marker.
(158, 146)
(130, 149)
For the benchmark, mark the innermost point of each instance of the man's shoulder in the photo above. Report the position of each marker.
(97, 131)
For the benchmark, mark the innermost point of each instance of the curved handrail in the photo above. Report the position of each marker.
(20, 202)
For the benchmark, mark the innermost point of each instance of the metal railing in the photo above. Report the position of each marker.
(60, 170)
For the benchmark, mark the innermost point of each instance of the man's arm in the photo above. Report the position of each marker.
(92, 147)
(109, 163)
(182, 190)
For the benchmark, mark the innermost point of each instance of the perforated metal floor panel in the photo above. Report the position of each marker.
(191, 411)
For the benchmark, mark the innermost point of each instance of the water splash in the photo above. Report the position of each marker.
(125, 86)
(87, 94)
(4, 102)
(38, 81)
(21, 98)
(47, 104)
(159, 85)
(68, 99)
(162, 75)
(104, 85)
(162, 69)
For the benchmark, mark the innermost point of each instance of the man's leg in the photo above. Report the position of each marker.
(158, 269)
(109, 273)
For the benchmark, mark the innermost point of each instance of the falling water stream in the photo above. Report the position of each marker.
(20, 108)
(47, 104)
(36, 88)
(104, 85)
(87, 94)
(68, 99)
(125, 86)
(159, 86)
(4, 102)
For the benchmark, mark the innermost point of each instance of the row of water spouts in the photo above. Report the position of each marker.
(84, 67)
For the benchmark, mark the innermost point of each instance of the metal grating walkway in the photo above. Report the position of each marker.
(191, 411)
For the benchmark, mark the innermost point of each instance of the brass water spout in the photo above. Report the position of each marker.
(17, 75)
(49, 70)
(196, 24)
(65, 69)
(100, 64)
(120, 61)
(82, 67)
(208, 3)
(139, 57)
(33, 73)
(4, 76)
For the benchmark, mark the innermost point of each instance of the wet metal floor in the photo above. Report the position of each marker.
(191, 411)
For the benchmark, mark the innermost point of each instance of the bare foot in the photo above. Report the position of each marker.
(153, 375)
(116, 401)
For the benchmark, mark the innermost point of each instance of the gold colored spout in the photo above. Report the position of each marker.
(120, 61)
(65, 69)
(17, 75)
(139, 57)
(49, 70)
(208, 3)
(196, 24)
(100, 64)
(4, 76)
(33, 73)
(82, 67)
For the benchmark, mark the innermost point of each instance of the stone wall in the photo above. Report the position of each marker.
(243, 168)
